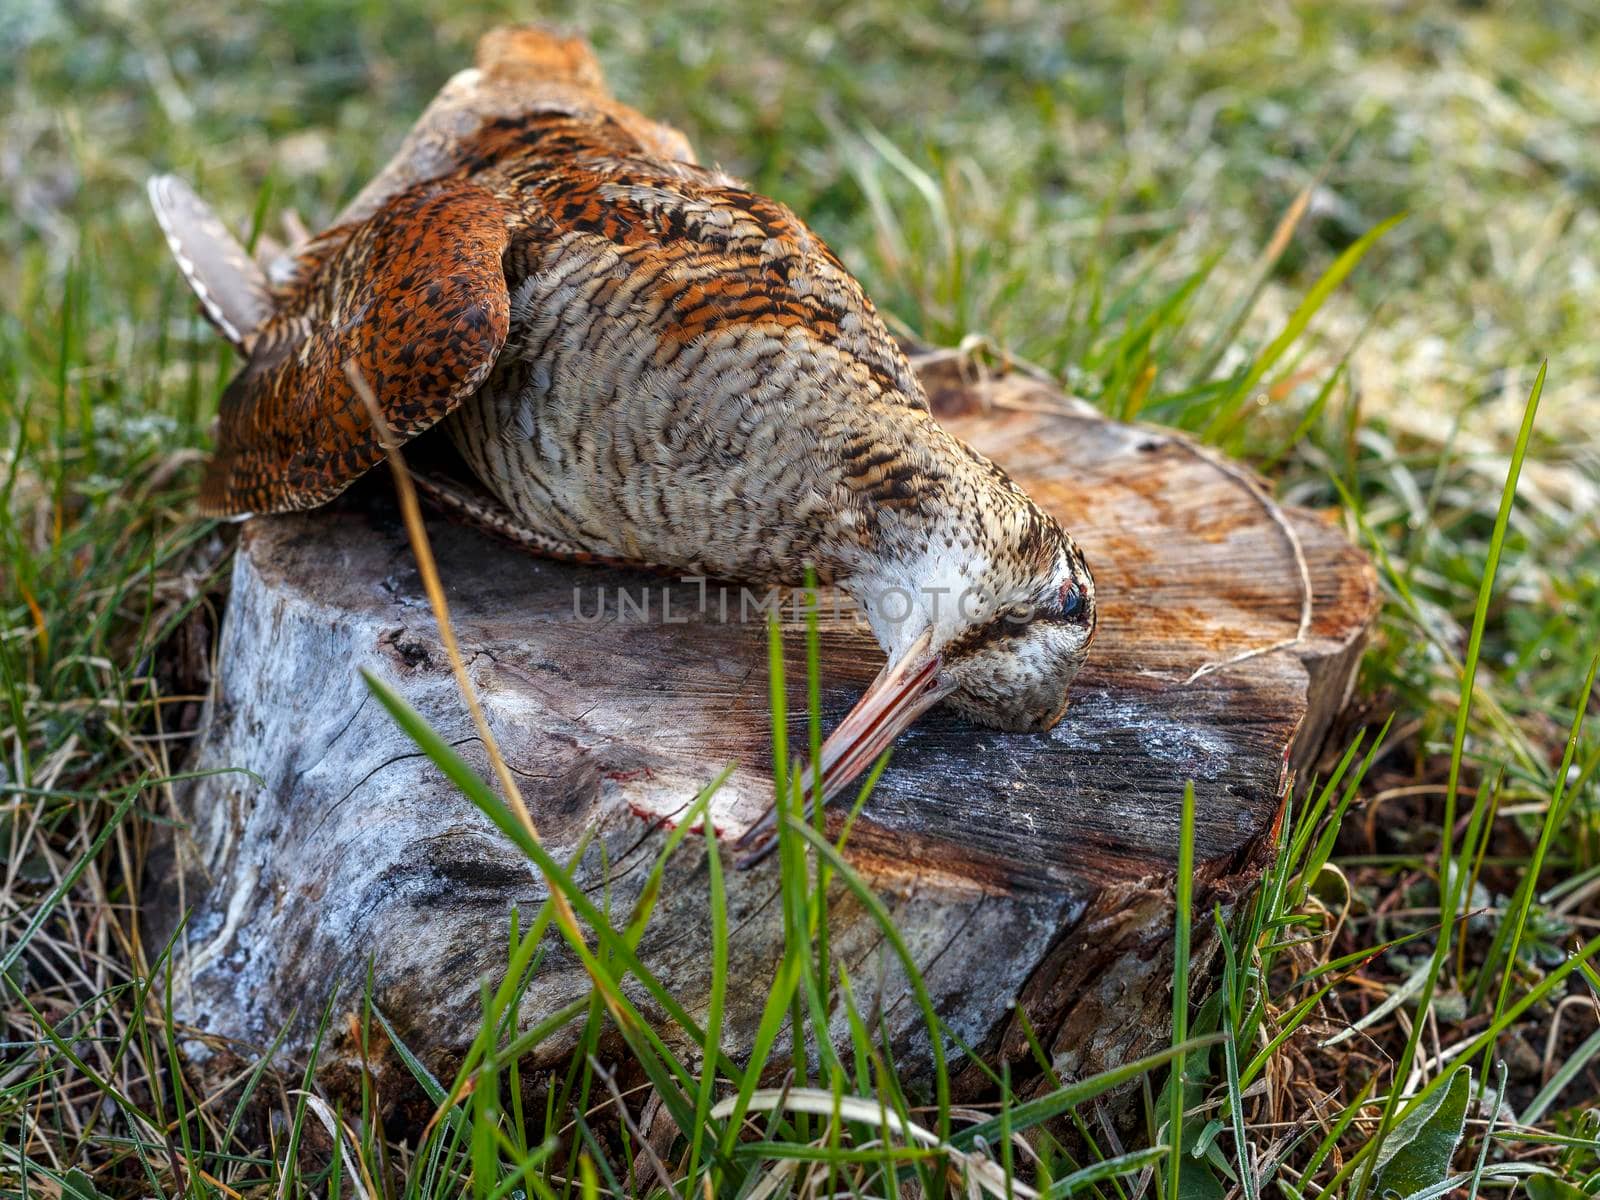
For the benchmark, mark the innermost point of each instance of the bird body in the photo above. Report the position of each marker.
(640, 360)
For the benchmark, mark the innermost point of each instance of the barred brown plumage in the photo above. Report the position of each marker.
(644, 361)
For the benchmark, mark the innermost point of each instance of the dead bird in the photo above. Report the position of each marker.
(644, 362)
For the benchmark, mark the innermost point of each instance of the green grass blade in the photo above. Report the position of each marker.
(1449, 884)
(1508, 937)
(68, 881)
(1229, 411)
(1182, 916)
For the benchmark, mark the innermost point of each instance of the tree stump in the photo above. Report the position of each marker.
(1031, 867)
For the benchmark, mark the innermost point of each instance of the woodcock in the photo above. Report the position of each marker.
(641, 361)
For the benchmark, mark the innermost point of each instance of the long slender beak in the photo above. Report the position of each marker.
(908, 686)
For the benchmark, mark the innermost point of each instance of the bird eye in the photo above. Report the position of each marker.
(1071, 599)
(1019, 614)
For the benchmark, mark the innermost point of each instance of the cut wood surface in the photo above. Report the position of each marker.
(1035, 867)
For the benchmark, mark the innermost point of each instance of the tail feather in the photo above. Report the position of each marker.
(532, 54)
(231, 287)
(524, 74)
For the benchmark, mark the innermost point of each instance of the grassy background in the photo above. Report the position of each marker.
(1137, 199)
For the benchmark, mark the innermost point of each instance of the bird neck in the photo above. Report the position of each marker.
(938, 589)
(951, 553)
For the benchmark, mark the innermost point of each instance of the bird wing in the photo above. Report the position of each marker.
(415, 297)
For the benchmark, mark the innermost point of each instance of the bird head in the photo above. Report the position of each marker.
(1012, 669)
(997, 627)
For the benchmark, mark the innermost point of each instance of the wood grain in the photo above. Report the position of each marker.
(1022, 866)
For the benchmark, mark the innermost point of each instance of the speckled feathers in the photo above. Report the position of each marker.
(523, 166)
(641, 361)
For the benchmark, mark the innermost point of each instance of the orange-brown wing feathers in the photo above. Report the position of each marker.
(416, 297)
